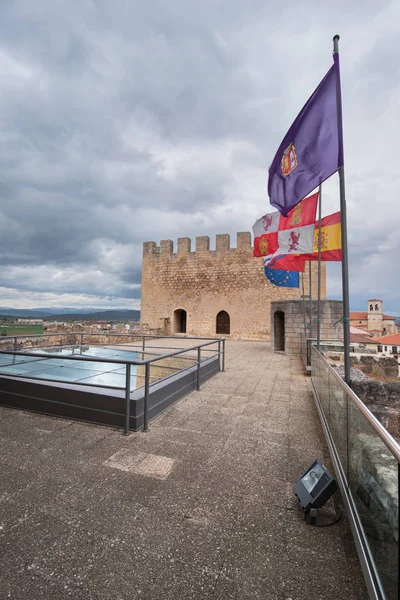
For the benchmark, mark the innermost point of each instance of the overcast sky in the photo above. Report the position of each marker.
(127, 121)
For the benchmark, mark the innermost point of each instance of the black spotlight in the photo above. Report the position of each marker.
(313, 489)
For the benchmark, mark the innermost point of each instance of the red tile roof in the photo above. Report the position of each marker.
(360, 316)
(363, 316)
(393, 339)
(358, 338)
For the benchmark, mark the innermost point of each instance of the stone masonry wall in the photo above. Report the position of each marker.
(331, 312)
(207, 281)
(383, 400)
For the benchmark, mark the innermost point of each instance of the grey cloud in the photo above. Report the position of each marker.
(128, 121)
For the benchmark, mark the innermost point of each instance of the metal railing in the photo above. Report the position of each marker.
(326, 344)
(366, 460)
(145, 362)
(80, 334)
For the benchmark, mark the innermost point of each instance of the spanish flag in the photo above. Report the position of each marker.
(331, 239)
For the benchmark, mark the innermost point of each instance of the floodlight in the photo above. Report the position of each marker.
(314, 488)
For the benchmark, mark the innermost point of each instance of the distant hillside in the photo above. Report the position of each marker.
(7, 313)
(70, 314)
(105, 315)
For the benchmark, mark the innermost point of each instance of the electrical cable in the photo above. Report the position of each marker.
(325, 524)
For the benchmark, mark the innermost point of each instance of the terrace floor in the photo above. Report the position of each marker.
(201, 506)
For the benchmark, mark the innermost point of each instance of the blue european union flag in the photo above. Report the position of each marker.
(282, 278)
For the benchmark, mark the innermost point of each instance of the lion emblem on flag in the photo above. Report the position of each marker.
(267, 222)
(293, 241)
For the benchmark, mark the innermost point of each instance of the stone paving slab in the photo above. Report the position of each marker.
(202, 506)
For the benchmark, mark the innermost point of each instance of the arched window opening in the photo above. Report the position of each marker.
(180, 321)
(223, 323)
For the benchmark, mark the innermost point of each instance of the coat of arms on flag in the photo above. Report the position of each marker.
(289, 160)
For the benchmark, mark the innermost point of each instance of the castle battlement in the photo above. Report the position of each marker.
(189, 288)
(184, 246)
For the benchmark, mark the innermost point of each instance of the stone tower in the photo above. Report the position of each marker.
(374, 315)
(211, 292)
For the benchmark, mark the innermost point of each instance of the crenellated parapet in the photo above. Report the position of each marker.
(202, 245)
(187, 287)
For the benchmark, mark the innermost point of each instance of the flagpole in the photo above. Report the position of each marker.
(304, 318)
(309, 277)
(319, 267)
(343, 213)
(304, 307)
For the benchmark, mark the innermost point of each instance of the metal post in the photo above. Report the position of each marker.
(146, 398)
(223, 355)
(219, 354)
(309, 276)
(304, 307)
(198, 367)
(343, 216)
(319, 267)
(15, 344)
(143, 344)
(127, 398)
(81, 339)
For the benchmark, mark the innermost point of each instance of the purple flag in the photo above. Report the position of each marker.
(310, 151)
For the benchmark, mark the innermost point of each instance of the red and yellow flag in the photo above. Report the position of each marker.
(301, 215)
(331, 239)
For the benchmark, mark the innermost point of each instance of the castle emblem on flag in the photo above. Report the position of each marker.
(263, 245)
(293, 241)
(296, 217)
(289, 160)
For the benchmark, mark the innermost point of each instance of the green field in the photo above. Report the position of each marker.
(21, 330)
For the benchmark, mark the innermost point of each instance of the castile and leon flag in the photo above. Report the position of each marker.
(273, 230)
(331, 247)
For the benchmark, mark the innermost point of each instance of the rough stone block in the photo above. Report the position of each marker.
(184, 245)
(243, 240)
(202, 243)
(166, 246)
(223, 242)
(149, 248)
